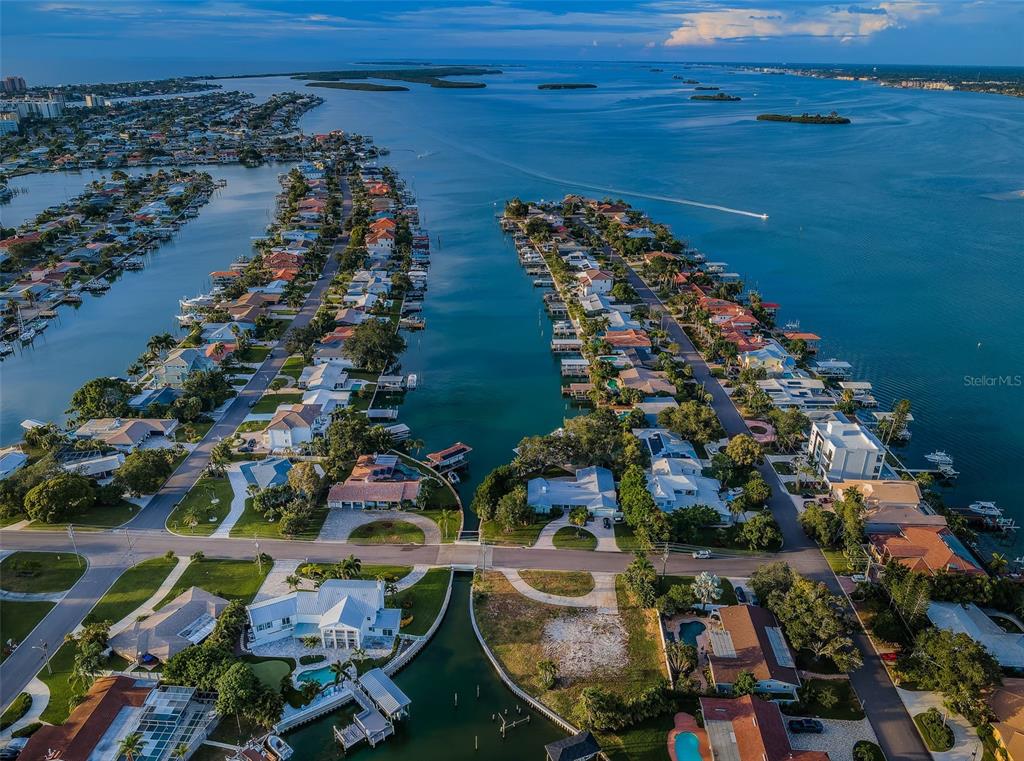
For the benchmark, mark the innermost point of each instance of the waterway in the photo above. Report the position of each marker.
(106, 333)
(436, 729)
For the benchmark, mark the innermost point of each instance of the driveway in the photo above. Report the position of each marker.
(341, 523)
(837, 740)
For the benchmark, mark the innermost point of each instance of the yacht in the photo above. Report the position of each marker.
(6, 347)
(27, 336)
(939, 458)
(988, 509)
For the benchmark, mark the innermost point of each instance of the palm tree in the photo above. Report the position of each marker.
(443, 519)
(338, 670)
(998, 564)
(293, 581)
(803, 468)
(349, 568)
(129, 746)
(180, 751)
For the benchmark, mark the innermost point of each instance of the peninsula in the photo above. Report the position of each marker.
(718, 96)
(829, 118)
(567, 86)
(365, 86)
(435, 76)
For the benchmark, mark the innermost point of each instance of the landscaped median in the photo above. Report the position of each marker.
(208, 498)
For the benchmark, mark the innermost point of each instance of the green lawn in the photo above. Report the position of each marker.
(449, 532)
(569, 538)
(847, 709)
(191, 433)
(252, 354)
(40, 571)
(269, 403)
(18, 619)
(18, 708)
(728, 592)
(230, 579)
(293, 367)
(251, 523)
(562, 583)
(624, 538)
(272, 670)
(521, 535)
(837, 561)
(132, 588)
(61, 683)
(199, 499)
(98, 516)
(423, 600)
(387, 532)
(252, 426)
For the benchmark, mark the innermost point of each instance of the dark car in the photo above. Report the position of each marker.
(9, 754)
(741, 595)
(807, 495)
(606, 523)
(806, 726)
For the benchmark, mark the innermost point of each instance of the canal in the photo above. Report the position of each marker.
(106, 333)
(436, 729)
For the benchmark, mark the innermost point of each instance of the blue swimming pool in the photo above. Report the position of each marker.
(687, 747)
(689, 631)
(323, 675)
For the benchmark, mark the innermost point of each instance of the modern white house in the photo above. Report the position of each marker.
(676, 483)
(329, 376)
(1006, 647)
(342, 613)
(592, 488)
(597, 282)
(804, 394)
(841, 450)
(771, 357)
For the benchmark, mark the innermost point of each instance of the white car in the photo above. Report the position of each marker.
(702, 555)
(858, 578)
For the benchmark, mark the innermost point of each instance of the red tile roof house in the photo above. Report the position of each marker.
(749, 639)
(376, 482)
(622, 339)
(926, 549)
(749, 729)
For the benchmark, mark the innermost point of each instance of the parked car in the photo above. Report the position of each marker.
(253, 403)
(806, 495)
(702, 555)
(741, 595)
(859, 578)
(890, 657)
(805, 726)
(606, 522)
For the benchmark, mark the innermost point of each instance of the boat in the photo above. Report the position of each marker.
(939, 458)
(6, 347)
(27, 336)
(988, 509)
(792, 325)
(411, 381)
(454, 477)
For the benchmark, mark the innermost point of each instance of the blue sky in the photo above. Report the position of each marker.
(55, 39)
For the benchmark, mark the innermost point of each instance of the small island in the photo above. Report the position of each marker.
(366, 86)
(830, 118)
(567, 86)
(656, 70)
(705, 87)
(718, 96)
(686, 81)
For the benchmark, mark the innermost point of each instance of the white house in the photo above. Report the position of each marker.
(771, 357)
(342, 613)
(1006, 647)
(677, 483)
(328, 377)
(841, 450)
(802, 393)
(592, 488)
(329, 401)
(597, 282)
(293, 425)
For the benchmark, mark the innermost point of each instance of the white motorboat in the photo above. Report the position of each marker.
(988, 509)
(939, 458)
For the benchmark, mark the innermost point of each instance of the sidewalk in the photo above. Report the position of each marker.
(40, 698)
(147, 607)
(239, 495)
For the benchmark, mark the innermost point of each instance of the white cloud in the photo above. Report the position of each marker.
(844, 23)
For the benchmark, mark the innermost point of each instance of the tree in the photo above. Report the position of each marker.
(220, 456)
(238, 689)
(745, 451)
(547, 673)
(373, 345)
(896, 422)
(578, 517)
(679, 598)
(815, 620)
(693, 421)
(789, 426)
(443, 520)
(744, 684)
(956, 666)
(707, 588)
(513, 510)
(770, 579)
(495, 485)
(349, 568)
(304, 480)
(338, 670)
(634, 498)
(61, 497)
(130, 746)
(101, 397)
(642, 580)
(756, 491)
(823, 526)
(682, 657)
(181, 750)
(761, 532)
(293, 581)
(144, 471)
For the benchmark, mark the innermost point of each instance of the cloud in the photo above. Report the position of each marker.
(733, 24)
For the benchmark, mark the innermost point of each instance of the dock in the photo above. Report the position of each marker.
(381, 703)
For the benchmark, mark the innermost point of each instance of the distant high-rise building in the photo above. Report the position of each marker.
(96, 101)
(42, 108)
(9, 122)
(14, 85)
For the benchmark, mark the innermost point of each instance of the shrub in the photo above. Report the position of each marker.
(864, 750)
(28, 730)
(306, 660)
(937, 735)
(18, 708)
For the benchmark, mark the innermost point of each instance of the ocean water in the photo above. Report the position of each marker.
(897, 238)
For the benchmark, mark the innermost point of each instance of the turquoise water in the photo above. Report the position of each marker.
(322, 675)
(687, 747)
(689, 631)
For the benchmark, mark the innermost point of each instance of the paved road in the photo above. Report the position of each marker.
(895, 729)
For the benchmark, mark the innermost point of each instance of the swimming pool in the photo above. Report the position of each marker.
(687, 747)
(689, 631)
(323, 675)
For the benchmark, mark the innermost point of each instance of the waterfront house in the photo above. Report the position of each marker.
(127, 434)
(377, 481)
(270, 471)
(1007, 705)
(840, 450)
(186, 620)
(650, 382)
(381, 243)
(579, 747)
(178, 365)
(11, 459)
(924, 549)
(748, 638)
(812, 340)
(329, 401)
(661, 442)
(343, 613)
(328, 377)
(675, 483)
(750, 729)
(224, 278)
(228, 332)
(96, 464)
(889, 504)
(349, 316)
(595, 282)
(160, 395)
(804, 394)
(1007, 647)
(592, 488)
(293, 425)
(772, 358)
(623, 339)
(619, 320)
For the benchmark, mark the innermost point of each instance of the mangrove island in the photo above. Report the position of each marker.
(830, 118)
(567, 86)
(718, 96)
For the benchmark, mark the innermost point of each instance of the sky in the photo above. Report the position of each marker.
(52, 41)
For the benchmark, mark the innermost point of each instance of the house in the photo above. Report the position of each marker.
(349, 316)
(812, 340)
(127, 434)
(840, 450)
(92, 464)
(677, 483)
(227, 332)
(343, 613)
(161, 395)
(650, 382)
(661, 442)
(889, 504)
(1007, 704)
(186, 620)
(218, 352)
(180, 363)
(804, 394)
(224, 278)
(380, 243)
(595, 282)
(1006, 647)
(748, 638)
(750, 729)
(377, 481)
(592, 488)
(579, 747)
(771, 358)
(11, 459)
(271, 471)
(107, 704)
(328, 377)
(624, 339)
(925, 549)
(329, 401)
(293, 425)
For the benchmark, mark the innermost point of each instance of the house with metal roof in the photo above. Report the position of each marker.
(186, 620)
(1006, 647)
(342, 613)
(592, 488)
(579, 747)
